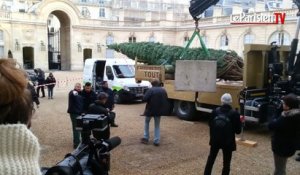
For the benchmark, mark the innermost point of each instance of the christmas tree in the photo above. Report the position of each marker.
(229, 64)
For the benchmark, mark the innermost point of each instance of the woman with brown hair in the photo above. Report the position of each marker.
(19, 148)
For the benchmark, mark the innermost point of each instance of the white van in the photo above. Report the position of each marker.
(120, 75)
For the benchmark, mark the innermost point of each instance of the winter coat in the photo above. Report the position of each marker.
(234, 118)
(285, 129)
(96, 108)
(157, 102)
(110, 101)
(41, 77)
(34, 96)
(75, 105)
(88, 99)
(51, 81)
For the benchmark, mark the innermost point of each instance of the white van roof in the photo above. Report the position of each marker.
(114, 61)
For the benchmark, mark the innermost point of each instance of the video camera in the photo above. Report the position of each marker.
(92, 156)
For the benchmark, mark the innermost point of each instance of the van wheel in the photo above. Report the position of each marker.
(185, 110)
(117, 98)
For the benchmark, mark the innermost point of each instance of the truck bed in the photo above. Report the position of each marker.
(232, 87)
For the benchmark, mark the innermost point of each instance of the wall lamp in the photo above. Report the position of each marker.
(17, 45)
(43, 47)
(79, 47)
(98, 47)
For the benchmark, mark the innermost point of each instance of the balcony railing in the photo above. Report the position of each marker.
(5, 15)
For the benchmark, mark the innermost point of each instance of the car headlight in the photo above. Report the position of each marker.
(126, 88)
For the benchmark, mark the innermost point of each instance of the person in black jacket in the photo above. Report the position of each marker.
(89, 96)
(285, 128)
(98, 107)
(75, 109)
(41, 81)
(228, 145)
(110, 104)
(157, 106)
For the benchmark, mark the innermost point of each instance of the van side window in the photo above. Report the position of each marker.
(109, 73)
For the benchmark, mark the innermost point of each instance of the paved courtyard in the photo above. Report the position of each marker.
(184, 145)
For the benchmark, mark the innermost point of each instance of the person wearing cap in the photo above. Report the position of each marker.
(233, 119)
(285, 128)
(98, 107)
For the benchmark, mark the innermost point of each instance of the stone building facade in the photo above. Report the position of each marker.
(36, 40)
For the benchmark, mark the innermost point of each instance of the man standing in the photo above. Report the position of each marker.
(110, 104)
(41, 81)
(75, 109)
(285, 128)
(224, 124)
(157, 106)
(89, 96)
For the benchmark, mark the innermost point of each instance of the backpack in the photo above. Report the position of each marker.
(221, 129)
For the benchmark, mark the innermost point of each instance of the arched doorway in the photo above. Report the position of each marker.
(59, 41)
(87, 53)
(28, 57)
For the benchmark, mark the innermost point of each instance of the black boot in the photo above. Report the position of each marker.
(298, 159)
(114, 125)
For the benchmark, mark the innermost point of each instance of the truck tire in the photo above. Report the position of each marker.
(185, 110)
(117, 98)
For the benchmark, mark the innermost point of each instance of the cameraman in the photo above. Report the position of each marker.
(19, 148)
(110, 104)
(99, 108)
(285, 128)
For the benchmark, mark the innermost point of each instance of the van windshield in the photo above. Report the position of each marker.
(124, 71)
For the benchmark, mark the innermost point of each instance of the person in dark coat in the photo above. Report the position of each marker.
(75, 108)
(50, 81)
(41, 81)
(34, 96)
(227, 147)
(110, 104)
(157, 106)
(98, 107)
(89, 96)
(285, 128)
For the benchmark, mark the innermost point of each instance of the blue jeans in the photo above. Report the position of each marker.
(50, 92)
(156, 128)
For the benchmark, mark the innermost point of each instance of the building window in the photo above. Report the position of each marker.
(109, 52)
(224, 42)
(134, 4)
(248, 38)
(152, 39)
(209, 12)
(102, 12)
(85, 12)
(101, 2)
(281, 38)
(132, 39)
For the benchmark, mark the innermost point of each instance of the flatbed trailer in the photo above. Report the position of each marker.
(255, 76)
